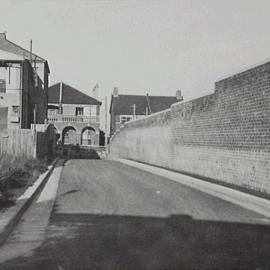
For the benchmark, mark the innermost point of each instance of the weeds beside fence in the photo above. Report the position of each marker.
(16, 174)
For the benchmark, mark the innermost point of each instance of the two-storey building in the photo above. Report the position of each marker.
(23, 86)
(74, 114)
(125, 108)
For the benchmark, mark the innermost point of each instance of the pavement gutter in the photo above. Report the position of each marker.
(245, 200)
(10, 217)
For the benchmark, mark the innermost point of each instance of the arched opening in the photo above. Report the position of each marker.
(88, 136)
(102, 138)
(69, 135)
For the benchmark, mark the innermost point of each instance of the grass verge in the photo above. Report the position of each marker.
(16, 175)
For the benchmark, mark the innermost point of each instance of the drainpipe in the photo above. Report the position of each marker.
(22, 71)
(134, 111)
(31, 45)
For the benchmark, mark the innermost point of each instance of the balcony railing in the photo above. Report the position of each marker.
(72, 118)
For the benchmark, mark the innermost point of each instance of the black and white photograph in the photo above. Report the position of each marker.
(134, 135)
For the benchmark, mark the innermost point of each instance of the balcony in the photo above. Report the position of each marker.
(58, 118)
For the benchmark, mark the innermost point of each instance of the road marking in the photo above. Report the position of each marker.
(245, 200)
(158, 191)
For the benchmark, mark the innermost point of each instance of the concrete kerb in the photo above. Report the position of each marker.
(243, 199)
(12, 216)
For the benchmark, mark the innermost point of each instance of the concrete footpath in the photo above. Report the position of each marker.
(10, 218)
(247, 201)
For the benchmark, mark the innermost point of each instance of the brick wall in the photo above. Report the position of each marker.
(223, 136)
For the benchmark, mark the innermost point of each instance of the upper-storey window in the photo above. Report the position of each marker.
(3, 86)
(125, 118)
(79, 110)
(3, 71)
(10, 77)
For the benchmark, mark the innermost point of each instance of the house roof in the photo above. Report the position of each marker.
(160, 103)
(123, 104)
(11, 47)
(70, 95)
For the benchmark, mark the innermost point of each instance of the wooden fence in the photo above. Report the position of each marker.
(37, 142)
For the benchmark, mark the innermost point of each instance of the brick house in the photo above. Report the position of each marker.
(124, 108)
(23, 86)
(74, 114)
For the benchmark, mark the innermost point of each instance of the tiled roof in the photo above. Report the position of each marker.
(123, 104)
(8, 46)
(160, 103)
(70, 95)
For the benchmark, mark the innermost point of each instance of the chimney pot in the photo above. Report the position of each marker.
(3, 35)
(115, 91)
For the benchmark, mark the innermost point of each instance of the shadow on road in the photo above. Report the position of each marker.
(83, 241)
(77, 152)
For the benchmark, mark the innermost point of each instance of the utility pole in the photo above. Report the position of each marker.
(35, 116)
(106, 121)
(60, 97)
(134, 111)
(31, 48)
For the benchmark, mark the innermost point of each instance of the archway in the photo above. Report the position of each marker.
(88, 136)
(69, 135)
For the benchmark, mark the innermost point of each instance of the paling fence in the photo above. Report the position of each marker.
(37, 142)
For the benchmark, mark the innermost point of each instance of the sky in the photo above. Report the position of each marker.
(143, 46)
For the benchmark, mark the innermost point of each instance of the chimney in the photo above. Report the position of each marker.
(115, 91)
(3, 35)
(179, 95)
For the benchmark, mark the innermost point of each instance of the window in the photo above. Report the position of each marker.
(79, 110)
(125, 119)
(15, 114)
(2, 86)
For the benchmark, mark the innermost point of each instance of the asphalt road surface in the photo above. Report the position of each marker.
(110, 216)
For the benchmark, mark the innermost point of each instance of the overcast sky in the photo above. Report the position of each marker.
(142, 46)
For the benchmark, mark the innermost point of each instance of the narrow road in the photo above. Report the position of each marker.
(108, 215)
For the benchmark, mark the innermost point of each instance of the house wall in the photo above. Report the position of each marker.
(70, 109)
(68, 120)
(224, 136)
(116, 121)
(43, 74)
(33, 91)
(23, 90)
(12, 76)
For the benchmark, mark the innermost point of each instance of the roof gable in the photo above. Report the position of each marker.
(10, 47)
(70, 95)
